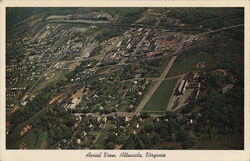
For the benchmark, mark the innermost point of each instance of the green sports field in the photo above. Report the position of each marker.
(161, 97)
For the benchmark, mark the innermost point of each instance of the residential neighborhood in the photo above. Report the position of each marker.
(125, 78)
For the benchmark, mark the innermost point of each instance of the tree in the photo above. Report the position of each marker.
(129, 144)
(146, 140)
(110, 145)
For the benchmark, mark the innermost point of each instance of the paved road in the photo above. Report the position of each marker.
(77, 60)
(28, 92)
(222, 29)
(100, 133)
(139, 45)
(96, 114)
(175, 77)
(179, 107)
(153, 78)
(157, 84)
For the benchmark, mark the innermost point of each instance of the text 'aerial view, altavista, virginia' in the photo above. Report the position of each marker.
(125, 78)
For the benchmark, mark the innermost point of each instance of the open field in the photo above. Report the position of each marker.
(153, 113)
(48, 80)
(188, 63)
(33, 139)
(30, 136)
(154, 68)
(160, 98)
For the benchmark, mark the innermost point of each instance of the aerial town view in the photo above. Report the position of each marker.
(124, 78)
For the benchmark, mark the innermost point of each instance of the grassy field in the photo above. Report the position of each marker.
(154, 68)
(30, 139)
(187, 63)
(160, 99)
(34, 140)
(58, 75)
(153, 113)
(42, 140)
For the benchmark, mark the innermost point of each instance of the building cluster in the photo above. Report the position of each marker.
(189, 85)
(89, 125)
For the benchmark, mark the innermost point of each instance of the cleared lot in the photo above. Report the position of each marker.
(187, 63)
(160, 99)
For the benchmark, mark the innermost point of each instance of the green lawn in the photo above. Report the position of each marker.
(14, 139)
(187, 62)
(154, 113)
(29, 139)
(160, 99)
(33, 140)
(42, 138)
